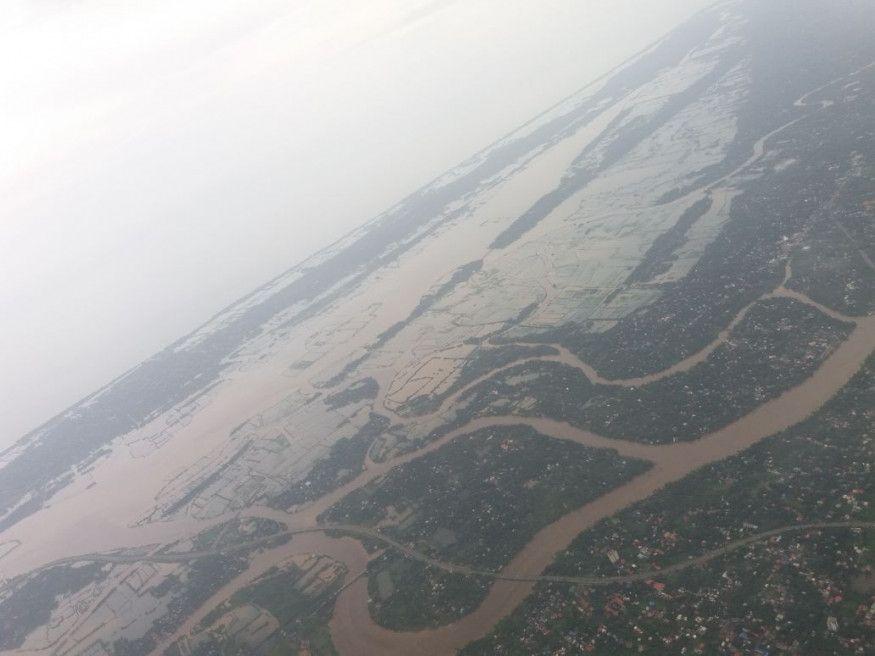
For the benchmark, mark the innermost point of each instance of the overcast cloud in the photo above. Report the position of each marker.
(160, 159)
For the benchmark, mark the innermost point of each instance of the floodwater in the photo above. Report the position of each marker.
(98, 512)
(345, 550)
(354, 631)
(356, 634)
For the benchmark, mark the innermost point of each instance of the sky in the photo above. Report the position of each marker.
(160, 159)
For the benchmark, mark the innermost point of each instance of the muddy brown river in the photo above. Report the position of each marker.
(84, 519)
(356, 634)
(352, 628)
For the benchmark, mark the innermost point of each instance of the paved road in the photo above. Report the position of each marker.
(364, 532)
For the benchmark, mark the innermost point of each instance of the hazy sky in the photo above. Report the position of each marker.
(159, 159)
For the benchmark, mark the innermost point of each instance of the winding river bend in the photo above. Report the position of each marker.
(352, 628)
(84, 525)
(356, 634)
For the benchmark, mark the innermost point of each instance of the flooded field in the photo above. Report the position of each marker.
(353, 629)
(632, 234)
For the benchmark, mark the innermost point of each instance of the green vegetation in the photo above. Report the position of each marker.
(284, 593)
(776, 596)
(818, 471)
(480, 498)
(187, 593)
(344, 462)
(361, 390)
(407, 594)
(480, 362)
(475, 501)
(282, 612)
(30, 603)
(663, 252)
(612, 146)
(819, 208)
(460, 276)
(832, 269)
(778, 344)
(234, 533)
(426, 302)
(791, 596)
(185, 500)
